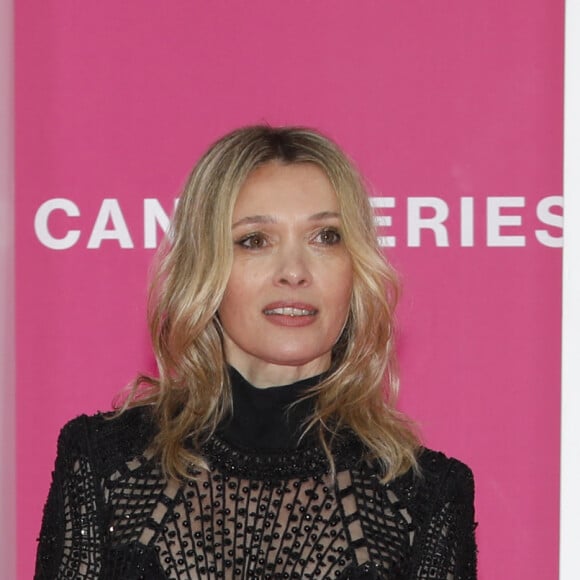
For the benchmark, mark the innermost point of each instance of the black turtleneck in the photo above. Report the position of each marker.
(264, 418)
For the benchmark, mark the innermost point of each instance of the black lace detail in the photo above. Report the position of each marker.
(281, 464)
(111, 514)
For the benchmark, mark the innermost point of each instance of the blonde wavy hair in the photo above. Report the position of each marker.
(192, 394)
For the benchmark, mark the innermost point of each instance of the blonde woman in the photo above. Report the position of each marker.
(268, 446)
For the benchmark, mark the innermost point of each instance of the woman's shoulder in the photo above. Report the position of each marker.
(437, 479)
(443, 478)
(107, 439)
(435, 464)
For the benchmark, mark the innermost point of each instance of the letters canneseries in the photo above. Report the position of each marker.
(494, 221)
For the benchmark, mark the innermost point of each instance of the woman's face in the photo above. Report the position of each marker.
(288, 295)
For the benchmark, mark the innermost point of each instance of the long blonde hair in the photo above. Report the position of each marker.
(192, 394)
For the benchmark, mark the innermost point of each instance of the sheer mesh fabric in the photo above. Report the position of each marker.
(112, 515)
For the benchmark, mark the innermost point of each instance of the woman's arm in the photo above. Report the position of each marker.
(71, 538)
(446, 547)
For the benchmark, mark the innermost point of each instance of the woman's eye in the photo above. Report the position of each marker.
(252, 241)
(328, 236)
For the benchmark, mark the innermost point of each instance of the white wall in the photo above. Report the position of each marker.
(7, 483)
(570, 485)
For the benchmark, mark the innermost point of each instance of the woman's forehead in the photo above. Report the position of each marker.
(276, 189)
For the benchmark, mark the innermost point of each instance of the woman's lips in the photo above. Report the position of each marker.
(289, 311)
(292, 314)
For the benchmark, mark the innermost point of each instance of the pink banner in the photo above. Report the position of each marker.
(452, 110)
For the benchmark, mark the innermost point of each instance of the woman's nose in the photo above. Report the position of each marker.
(292, 268)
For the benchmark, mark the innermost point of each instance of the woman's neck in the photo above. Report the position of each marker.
(262, 374)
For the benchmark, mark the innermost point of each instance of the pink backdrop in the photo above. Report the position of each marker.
(452, 110)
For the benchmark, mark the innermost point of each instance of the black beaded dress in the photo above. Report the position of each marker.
(266, 509)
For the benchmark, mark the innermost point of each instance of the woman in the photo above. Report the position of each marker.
(267, 447)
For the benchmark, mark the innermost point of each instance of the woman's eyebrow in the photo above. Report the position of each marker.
(255, 219)
(267, 219)
(323, 215)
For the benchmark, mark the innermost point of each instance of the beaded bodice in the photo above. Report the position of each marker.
(257, 513)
